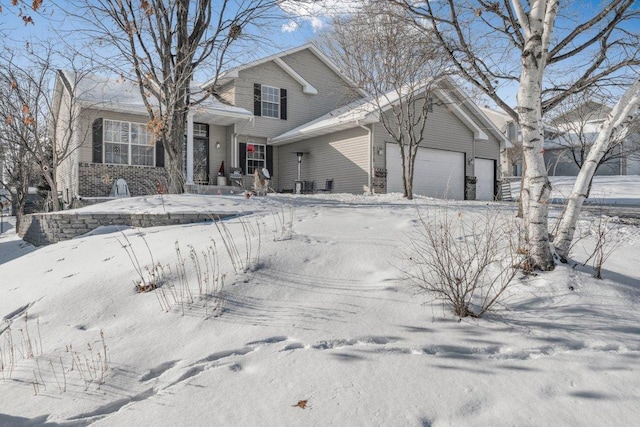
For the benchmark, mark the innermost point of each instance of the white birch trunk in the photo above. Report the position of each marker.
(538, 25)
(614, 128)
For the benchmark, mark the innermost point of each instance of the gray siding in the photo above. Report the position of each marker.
(560, 163)
(333, 92)
(341, 156)
(444, 131)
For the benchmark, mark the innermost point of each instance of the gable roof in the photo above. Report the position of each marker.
(234, 72)
(367, 111)
(498, 117)
(120, 95)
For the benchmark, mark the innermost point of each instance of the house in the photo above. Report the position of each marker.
(294, 113)
(574, 131)
(510, 157)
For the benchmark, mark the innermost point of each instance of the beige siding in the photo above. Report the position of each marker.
(333, 91)
(86, 120)
(217, 155)
(67, 171)
(341, 156)
(227, 93)
(301, 108)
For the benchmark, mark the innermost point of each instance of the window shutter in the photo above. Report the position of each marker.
(159, 154)
(97, 140)
(243, 156)
(270, 159)
(283, 104)
(257, 99)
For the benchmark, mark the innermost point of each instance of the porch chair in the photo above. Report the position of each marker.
(308, 187)
(328, 186)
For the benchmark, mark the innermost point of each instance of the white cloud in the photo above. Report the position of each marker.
(316, 12)
(290, 26)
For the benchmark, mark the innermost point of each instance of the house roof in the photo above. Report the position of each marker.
(366, 111)
(99, 92)
(233, 73)
(498, 117)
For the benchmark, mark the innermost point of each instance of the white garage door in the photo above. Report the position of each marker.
(438, 173)
(485, 172)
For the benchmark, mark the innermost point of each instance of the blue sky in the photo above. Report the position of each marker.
(294, 26)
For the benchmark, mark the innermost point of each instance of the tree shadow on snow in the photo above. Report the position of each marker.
(13, 421)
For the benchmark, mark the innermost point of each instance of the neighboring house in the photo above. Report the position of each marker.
(294, 113)
(575, 131)
(510, 157)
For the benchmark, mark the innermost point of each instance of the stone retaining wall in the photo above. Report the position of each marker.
(46, 228)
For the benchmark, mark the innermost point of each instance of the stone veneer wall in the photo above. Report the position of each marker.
(96, 179)
(46, 228)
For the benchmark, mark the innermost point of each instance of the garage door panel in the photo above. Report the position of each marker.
(438, 173)
(485, 172)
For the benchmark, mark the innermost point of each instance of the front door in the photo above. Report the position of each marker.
(200, 161)
(201, 153)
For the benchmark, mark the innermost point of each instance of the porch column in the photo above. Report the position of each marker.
(189, 148)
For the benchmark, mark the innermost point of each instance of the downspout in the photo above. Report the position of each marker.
(369, 156)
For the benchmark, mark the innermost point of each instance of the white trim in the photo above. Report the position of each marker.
(234, 72)
(306, 86)
(190, 147)
(262, 101)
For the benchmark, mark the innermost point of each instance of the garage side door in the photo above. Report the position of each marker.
(438, 173)
(485, 172)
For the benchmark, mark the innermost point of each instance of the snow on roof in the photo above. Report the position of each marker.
(498, 117)
(362, 111)
(366, 111)
(102, 92)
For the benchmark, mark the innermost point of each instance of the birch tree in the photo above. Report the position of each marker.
(163, 42)
(576, 128)
(398, 65)
(494, 44)
(615, 127)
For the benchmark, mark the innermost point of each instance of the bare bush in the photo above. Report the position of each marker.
(608, 237)
(465, 261)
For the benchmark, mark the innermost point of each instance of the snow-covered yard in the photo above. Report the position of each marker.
(323, 329)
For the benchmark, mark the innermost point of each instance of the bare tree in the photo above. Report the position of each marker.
(18, 169)
(398, 65)
(27, 101)
(576, 128)
(164, 42)
(512, 42)
(22, 8)
(615, 128)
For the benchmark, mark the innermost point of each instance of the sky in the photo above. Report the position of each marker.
(322, 327)
(295, 24)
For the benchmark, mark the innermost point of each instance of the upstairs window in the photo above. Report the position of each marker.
(269, 101)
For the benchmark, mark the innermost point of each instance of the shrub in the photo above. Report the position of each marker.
(466, 261)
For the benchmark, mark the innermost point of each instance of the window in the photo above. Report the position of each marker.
(128, 144)
(270, 101)
(200, 130)
(256, 157)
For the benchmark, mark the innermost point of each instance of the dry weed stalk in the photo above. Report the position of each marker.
(465, 262)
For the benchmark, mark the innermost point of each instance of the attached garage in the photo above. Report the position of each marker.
(485, 171)
(438, 173)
